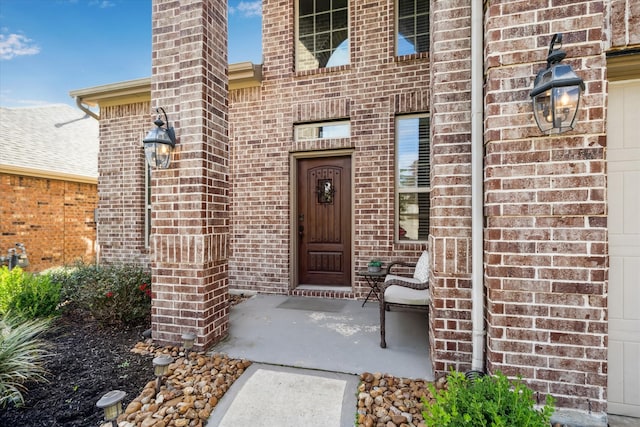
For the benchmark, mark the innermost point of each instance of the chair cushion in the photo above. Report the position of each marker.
(422, 268)
(403, 295)
(399, 280)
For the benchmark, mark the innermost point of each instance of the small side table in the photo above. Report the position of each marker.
(373, 279)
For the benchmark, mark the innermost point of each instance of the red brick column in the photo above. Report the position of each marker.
(190, 221)
(545, 207)
(450, 328)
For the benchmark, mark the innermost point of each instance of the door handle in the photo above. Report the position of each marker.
(300, 230)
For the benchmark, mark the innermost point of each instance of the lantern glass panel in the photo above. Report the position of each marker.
(112, 412)
(565, 101)
(157, 154)
(542, 111)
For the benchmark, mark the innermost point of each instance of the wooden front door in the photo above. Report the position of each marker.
(324, 221)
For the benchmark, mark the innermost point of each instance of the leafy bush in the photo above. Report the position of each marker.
(21, 357)
(10, 284)
(113, 294)
(27, 295)
(487, 401)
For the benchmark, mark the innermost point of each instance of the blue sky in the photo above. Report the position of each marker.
(50, 47)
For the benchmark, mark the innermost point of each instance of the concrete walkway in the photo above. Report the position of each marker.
(274, 396)
(308, 354)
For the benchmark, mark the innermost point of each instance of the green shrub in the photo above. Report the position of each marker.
(113, 294)
(39, 297)
(491, 401)
(27, 295)
(77, 283)
(10, 284)
(21, 357)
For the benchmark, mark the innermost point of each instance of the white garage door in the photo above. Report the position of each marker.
(623, 165)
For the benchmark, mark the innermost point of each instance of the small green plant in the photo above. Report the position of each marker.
(375, 263)
(10, 284)
(493, 401)
(39, 297)
(21, 357)
(27, 295)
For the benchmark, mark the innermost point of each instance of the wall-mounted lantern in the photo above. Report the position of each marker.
(159, 142)
(556, 92)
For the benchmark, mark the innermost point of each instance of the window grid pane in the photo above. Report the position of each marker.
(322, 28)
(412, 27)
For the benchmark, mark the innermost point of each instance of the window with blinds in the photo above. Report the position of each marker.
(413, 182)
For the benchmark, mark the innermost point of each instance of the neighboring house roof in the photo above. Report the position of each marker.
(53, 141)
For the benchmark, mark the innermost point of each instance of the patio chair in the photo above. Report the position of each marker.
(405, 292)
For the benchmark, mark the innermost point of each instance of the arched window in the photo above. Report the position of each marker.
(323, 34)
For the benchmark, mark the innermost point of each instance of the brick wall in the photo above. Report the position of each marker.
(121, 186)
(545, 208)
(53, 218)
(450, 239)
(370, 92)
(190, 199)
(623, 23)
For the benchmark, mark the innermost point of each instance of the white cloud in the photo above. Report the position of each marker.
(102, 4)
(12, 45)
(247, 8)
(7, 100)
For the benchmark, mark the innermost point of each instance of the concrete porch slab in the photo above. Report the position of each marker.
(329, 335)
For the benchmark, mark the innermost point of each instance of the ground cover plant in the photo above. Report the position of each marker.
(493, 401)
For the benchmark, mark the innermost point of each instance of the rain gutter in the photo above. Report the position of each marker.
(477, 190)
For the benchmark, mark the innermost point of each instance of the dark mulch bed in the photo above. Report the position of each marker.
(87, 361)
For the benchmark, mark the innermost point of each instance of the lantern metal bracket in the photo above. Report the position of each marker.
(170, 131)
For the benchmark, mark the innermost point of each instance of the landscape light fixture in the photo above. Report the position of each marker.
(188, 340)
(159, 142)
(111, 403)
(556, 92)
(160, 368)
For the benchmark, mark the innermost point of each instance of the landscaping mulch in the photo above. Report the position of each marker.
(86, 361)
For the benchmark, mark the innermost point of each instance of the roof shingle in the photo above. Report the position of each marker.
(54, 138)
